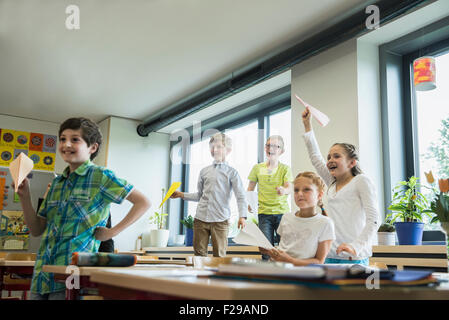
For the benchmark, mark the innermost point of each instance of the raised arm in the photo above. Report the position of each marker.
(35, 223)
(195, 196)
(314, 150)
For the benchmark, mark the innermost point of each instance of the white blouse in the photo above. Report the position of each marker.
(353, 208)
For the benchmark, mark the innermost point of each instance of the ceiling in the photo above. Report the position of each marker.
(133, 58)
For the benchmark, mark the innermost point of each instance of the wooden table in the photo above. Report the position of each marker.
(146, 284)
(175, 253)
(62, 273)
(15, 267)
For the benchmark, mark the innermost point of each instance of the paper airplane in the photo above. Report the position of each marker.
(20, 168)
(173, 187)
(252, 236)
(320, 117)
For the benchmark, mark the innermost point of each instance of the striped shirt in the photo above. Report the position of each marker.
(77, 203)
(215, 184)
(269, 200)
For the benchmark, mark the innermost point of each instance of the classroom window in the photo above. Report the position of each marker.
(432, 125)
(246, 148)
(280, 124)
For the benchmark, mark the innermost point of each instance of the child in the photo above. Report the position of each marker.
(351, 199)
(307, 235)
(215, 184)
(75, 210)
(274, 180)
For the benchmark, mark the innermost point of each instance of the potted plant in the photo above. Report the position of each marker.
(188, 223)
(386, 235)
(408, 206)
(159, 236)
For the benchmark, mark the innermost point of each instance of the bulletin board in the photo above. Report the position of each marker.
(14, 234)
(41, 148)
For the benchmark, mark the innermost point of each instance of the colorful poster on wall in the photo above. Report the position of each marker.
(14, 233)
(42, 160)
(7, 138)
(41, 148)
(6, 155)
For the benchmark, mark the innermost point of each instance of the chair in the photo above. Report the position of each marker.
(21, 279)
(211, 262)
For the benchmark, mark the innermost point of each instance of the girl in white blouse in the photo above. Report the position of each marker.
(306, 235)
(351, 199)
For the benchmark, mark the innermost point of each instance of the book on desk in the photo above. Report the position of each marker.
(323, 275)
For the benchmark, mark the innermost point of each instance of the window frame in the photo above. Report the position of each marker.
(398, 100)
(178, 212)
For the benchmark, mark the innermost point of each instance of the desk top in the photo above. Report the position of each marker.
(201, 287)
(87, 271)
(16, 263)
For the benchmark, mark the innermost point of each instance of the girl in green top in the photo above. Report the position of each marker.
(274, 179)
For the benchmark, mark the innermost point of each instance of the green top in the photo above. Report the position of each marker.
(269, 200)
(77, 203)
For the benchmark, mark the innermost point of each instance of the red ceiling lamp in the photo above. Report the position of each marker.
(424, 73)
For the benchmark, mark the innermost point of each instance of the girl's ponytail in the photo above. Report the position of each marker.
(323, 211)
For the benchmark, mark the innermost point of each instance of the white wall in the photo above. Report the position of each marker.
(102, 157)
(142, 161)
(338, 82)
(369, 110)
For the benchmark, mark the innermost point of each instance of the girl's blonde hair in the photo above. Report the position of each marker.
(221, 137)
(278, 138)
(316, 180)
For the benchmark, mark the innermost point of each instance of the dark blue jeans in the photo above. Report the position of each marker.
(268, 224)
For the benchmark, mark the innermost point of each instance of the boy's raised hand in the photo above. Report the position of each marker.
(24, 188)
(307, 119)
(177, 194)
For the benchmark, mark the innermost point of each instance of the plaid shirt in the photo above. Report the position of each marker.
(76, 204)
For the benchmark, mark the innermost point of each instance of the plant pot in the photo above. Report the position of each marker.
(189, 237)
(159, 237)
(409, 233)
(386, 238)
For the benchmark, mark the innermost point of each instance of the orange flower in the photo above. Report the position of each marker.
(444, 185)
(429, 177)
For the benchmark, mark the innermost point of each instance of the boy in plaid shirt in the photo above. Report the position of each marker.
(75, 211)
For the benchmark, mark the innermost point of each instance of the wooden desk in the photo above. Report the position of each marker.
(61, 273)
(8, 267)
(145, 284)
(181, 253)
(430, 257)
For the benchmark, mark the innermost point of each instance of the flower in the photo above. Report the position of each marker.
(429, 177)
(444, 185)
(440, 204)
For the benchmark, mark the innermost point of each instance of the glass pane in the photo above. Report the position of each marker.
(199, 158)
(280, 124)
(433, 126)
(242, 158)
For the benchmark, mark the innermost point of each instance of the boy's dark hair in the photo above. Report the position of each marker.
(90, 131)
